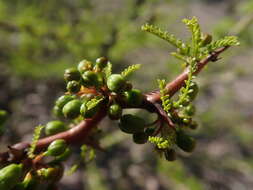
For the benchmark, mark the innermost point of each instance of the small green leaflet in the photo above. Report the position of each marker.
(129, 70)
(36, 136)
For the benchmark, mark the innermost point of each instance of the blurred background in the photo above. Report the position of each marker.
(39, 39)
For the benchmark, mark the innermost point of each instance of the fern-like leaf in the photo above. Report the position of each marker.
(36, 136)
(165, 36)
(108, 70)
(226, 41)
(166, 101)
(129, 70)
(94, 102)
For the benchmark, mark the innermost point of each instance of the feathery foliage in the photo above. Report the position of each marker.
(36, 136)
(129, 70)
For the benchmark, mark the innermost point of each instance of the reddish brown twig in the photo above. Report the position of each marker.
(78, 134)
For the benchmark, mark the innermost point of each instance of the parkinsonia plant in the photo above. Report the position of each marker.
(94, 92)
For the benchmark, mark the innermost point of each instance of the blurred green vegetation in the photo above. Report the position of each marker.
(39, 39)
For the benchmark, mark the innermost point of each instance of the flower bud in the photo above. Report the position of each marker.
(84, 66)
(101, 62)
(62, 100)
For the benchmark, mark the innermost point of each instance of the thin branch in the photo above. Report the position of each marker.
(77, 134)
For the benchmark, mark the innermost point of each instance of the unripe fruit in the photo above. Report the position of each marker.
(195, 89)
(64, 156)
(190, 110)
(101, 62)
(116, 82)
(90, 78)
(185, 142)
(131, 124)
(133, 97)
(84, 66)
(115, 111)
(62, 100)
(10, 176)
(88, 113)
(72, 109)
(3, 116)
(72, 74)
(54, 127)
(170, 154)
(140, 138)
(29, 183)
(56, 148)
(57, 111)
(73, 86)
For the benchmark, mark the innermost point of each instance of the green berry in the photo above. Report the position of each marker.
(62, 100)
(90, 78)
(133, 97)
(131, 124)
(115, 111)
(185, 142)
(116, 82)
(170, 154)
(3, 116)
(56, 148)
(71, 110)
(10, 176)
(190, 110)
(72, 74)
(88, 113)
(194, 91)
(101, 62)
(57, 111)
(140, 138)
(54, 127)
(73, 86)
(64, 156)
(84, 66)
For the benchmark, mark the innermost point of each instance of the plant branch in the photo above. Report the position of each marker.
(80, 132)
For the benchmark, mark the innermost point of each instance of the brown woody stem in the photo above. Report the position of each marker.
(81, 131)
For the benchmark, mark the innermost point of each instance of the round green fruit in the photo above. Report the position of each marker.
(73, 86)
(54, 127)
(72, 74)
(64, 156)
(88, 113)
(62, 100)
(84, 66)
(115, 111)
(131, 124)
(140, 138)
(133, 97)
(101, 62)
(71, 110)
(170, 154)
(57, 111)
(10, 176)
(116, 82)
(91, 78)
(185, 142)
(56, 148)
